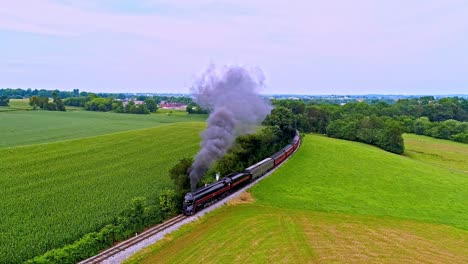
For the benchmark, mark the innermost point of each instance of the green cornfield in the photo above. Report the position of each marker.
(33, 127)
(53, 194)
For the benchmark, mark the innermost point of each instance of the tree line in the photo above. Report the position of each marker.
(28, 93)
(44, 103)
(448, 129)
(380, 123)
(86, 100)
(109, 104)
(93, 102)
(4, 100)
(193, 108)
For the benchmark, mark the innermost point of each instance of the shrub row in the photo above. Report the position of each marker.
(448, 129)
(382, 132)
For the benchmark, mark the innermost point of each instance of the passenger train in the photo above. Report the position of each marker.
(205, 196)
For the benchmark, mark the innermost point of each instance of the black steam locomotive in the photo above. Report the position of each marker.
(205, 196)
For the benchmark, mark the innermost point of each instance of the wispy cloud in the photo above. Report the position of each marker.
(334, 27)
(354, 41)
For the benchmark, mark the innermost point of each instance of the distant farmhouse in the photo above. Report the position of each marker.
(175, 106)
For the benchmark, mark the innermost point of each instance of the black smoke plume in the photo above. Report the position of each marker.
(230, 93)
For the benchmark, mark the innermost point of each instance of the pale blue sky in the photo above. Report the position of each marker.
(304, 47)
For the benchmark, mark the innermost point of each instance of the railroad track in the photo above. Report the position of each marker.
(106, 254)
(109, 253)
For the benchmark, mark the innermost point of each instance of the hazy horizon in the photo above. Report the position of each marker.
(303, 47)
(262, 94)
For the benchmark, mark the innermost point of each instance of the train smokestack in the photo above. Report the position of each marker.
(230, 93)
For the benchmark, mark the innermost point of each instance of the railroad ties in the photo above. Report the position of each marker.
(108, 253)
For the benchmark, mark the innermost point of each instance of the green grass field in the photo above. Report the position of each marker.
(52, 194)
(33, 127)
(438, 152)
(334, 201)
(361, 179)
(16, 105)
(263, 234)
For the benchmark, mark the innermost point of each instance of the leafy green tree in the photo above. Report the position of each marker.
(91, 95)
(390, 138)
(368, 129)
(4, 101)
(151, 105)
(343, 128)
(461, 137)
(421, 125)
(76, 101)
(296, 106)
(51, 106)
(283, 118)
(99, 104)
(193, 108)
(227, 164)
(354, 108)
(133, 216)
(317, 119)
(168, 202)
(119, 109)
(43, 102)
(140, 109)
(180, 176)
(58, 102)
(189, 109)
(407, 123)
(34, 102)
(128, 107)
(446, 129)
(117, 105)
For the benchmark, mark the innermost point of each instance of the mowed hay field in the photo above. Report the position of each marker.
(334, 201)
(16, 105)
(53, 194)
(439, 152)
(33, 127)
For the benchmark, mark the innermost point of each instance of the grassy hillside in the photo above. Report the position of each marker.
(439, 152)
(334, 201)
(54, 193)
(342, 176)
(32, 127)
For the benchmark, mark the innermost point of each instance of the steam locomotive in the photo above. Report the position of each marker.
(206, 196)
